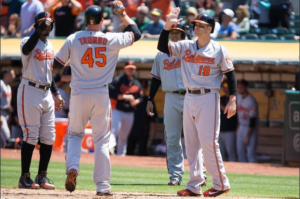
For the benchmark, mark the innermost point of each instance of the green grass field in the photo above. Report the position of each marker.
(154, 180)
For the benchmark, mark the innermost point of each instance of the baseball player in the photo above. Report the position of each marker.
(35, 102)
(93, 56)
(203, 63)
(8, 75)
(126, 91)
(167, 71)
(247, 131)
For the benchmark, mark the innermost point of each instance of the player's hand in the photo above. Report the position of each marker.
(149, 108)
(44, 25)
(230, 108)
(128, 97)
(118, 8)
(60, 102)
(133, 103)
(172, 18)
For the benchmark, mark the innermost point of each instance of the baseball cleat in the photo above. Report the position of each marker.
(43, 181)
(213, 193)
(174, 182)
(186, 192)
(70, 183)
(108, 193)
(25, 182)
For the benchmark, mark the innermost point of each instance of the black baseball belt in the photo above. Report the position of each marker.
(44, 87)
(198, 92)
(180, 92)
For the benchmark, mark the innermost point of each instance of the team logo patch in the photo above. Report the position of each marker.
(228, 60)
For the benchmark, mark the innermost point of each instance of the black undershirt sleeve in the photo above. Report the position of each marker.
(163, 41)
(30, 44)
(155, 84)
(252, 122)
(136, 32)
(56, 64)
(231, 80)
(53, 88)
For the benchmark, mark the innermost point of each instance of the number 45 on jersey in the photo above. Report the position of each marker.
(90, 56)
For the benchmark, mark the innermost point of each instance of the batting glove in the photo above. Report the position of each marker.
(118, 8)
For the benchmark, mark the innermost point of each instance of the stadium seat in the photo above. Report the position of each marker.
(287, 37)
(268, 37)
(259, 31)
(294, 17)
(249, 37)
(294, 23)
(294, 31)
(278, 31)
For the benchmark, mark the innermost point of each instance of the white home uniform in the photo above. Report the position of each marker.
(202, 69)
(35, 105)
(168, 70)
(93, 57)
(247, 108)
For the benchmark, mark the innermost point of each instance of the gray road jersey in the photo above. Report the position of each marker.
(168, 70)
(37, 66)
(202, 68)
(247, 108)
(93, 56)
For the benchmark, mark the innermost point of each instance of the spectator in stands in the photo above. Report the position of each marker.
(61, 113)
(260, 9)
(65, 16)
(7, 76)
(142, 20)
(227, 139)
(247, 131)
(107, 23)
(236, 3)
(155, 26)
(3, 18)
(28, 12)
(163, 5)
(191, 15)
(228, 28)
(280, 13)
(14, 26)
(14, 6)
(142, 125)
(242, 21)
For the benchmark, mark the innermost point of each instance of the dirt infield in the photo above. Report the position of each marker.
(8, 193)
(158, 162)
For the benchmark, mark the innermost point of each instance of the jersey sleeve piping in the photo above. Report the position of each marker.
(59, 60)
(228, 70)
(155, 76)
(170, 49)
(132, 36)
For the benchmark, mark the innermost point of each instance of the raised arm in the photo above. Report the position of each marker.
(163, 40)
(119, 10)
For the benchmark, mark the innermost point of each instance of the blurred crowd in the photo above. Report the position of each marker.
(233, 17)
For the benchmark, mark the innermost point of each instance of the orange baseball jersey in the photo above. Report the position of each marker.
(168, 69)
(93, 51)
(204, 67)
(131, 6)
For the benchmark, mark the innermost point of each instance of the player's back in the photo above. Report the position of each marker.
(93, 56)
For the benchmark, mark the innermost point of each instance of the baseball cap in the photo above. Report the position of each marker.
(130, 66)
(242, 81)
(229, 12)
(156, 12)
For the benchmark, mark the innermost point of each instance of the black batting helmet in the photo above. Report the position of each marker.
(179, 27)
(41, 17)
(93, 15)
(206, 19)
